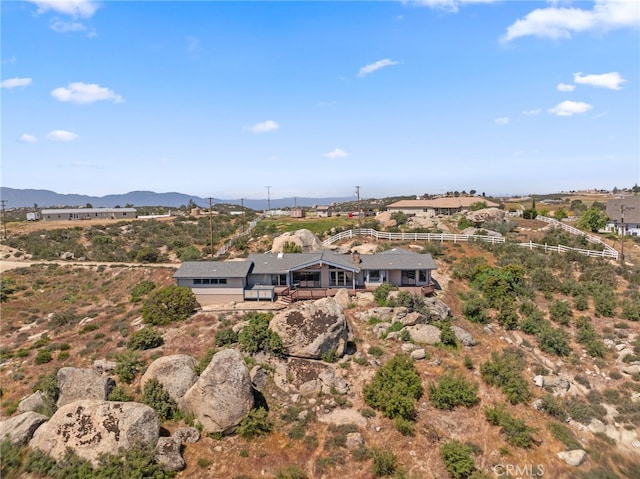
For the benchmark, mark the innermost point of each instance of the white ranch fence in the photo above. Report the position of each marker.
(607, 252)
(225, 247)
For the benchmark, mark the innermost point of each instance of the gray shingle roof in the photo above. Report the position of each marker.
(213, 269)
(631, 209)
(397, 259)
(279, 263)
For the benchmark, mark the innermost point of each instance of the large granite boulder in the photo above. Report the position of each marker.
(424, 334)
(222, 396)
(311, 329)
(303, 238)
(168, 454)
(19, 429)
(485, 214)
(81, 384)
(91, 428)
(176, 373)
(463, 336)
(34, 402)
(438, 310)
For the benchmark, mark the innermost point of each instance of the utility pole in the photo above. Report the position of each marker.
(359, 210)
(211, 225)
(4, 218)
(242, 206)
(268, 199)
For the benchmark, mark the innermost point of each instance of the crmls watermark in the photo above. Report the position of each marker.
(518, 471)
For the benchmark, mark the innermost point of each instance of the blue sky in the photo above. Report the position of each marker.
(313, 98)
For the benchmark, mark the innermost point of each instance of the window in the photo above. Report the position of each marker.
(210, 281)
(422, 275)
(279, 279)
(375, 276)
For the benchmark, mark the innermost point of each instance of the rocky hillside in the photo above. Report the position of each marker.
(524, 363)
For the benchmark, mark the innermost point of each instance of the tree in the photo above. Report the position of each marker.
(88, 205)
(165, 305)
(560, 214)
(592, 220)
(399, 217)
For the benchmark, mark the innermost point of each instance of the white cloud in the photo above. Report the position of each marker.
(570, 108)
(264, 127)
(27, 138)
(448, 5)
(60, 26)
(564, 87)
(85, 93)
(365, 70)
(15, 82)
(73, 8)
(61, 135)
(504, 120)
(535, 111)
(337, 153)
(553, 22)
(611, 80)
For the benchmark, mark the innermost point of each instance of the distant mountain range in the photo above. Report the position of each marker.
(18, 198)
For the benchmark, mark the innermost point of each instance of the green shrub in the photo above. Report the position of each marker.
(554, 341)
(256, 423)
(515, 430)
(145, 338)
(447, 336)
(128, 364)
(458, 459)
(395, 388)
(384, 462)
(169, 304)
(375, 351)
(43, 356)
(505, 371)
(256, 336)
(87, 328)
(553, 407)
(11, 455)
(404, 426)
(563, 434)
(468, 362)
(225, 337)
(381, 293)
(560, 312)
(155, 395)
(452, 391)
(141, 289)
(291, 472)
(120, 394)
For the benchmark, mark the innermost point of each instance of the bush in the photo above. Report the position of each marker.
(554, 341)
(225, 337)
(141, 289)
(560, 312)
(563, 434)
(256, 423)
(145, 338)
(169, 304)
(475, 309)
(504, 371)
(155, 395)
(120, 394)
(128, 364)
(291, 472)
(43, 356)
(516, 431)
(458, 459)
(453, 391)
(447, 336)
(395, 388)
(256, 336)
(553, 407)
(11, 459)
(384, 462)
(381, 293)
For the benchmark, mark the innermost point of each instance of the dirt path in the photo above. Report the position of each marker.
(6, 265)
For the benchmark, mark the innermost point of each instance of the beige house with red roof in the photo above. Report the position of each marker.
(438, 206)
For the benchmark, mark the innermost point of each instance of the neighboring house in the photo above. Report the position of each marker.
(305, 275)
(323, 211)
(88, 214)
(626, 208)
(439, 206)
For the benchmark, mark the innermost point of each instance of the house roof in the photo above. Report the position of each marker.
(455, 202)
(64, 211)
(213, 269)
(397, 258)
(631, 209)
(279, 263)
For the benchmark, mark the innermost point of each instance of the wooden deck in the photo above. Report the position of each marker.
(301, 294)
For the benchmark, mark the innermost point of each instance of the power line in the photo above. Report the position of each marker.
(211, 225)
(268, 199)
(4, 218)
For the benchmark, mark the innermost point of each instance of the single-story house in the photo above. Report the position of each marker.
(63, 214)
(438, 206)
(305, 275)
(624, 211)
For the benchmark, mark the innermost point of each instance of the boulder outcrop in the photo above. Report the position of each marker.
(312, 329)
(176, 373)
(91, 428)
(424, 333)
(303, 238)
(19, 429)
(222, 396)
(82, 384)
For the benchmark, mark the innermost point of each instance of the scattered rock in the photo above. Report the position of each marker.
(539, 381)
(380, 329)
(91, 428)
(329, 382)
(632, 369)
(573, 458)
(414, 318)
(537, 404)
(176, 373)
(354, 440)
(66, 255)
(222, 396)
(424, 333)
(312, 329)
(35, 402)
(186, 435)
(343, 416)
(484, 215)
(258, 377)
(558, 384)
(239, 326)
(103, 365)
(343, 298)
(82, 384)
(438, 310)
(19, 429)
(597, 425)
(418, 354)
(463, 336)
(408, 347)
(168, 454)
(383, 313)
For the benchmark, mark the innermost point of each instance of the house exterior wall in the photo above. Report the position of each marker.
(631, 229)
(88, 214)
